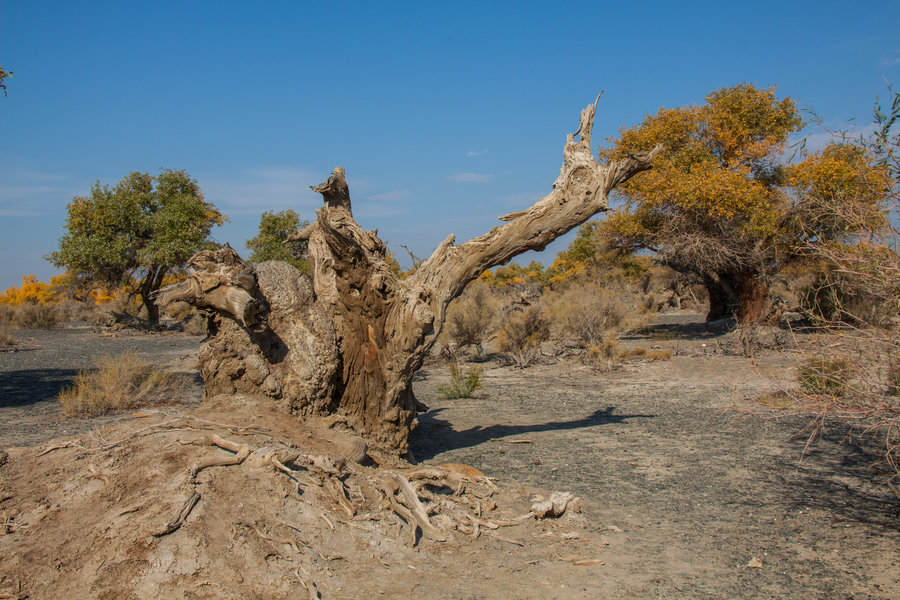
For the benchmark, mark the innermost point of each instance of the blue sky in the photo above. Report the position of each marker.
(445, 115)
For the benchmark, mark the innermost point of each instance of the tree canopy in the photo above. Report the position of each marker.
(271, 242)
(720, 203)
(137, 230)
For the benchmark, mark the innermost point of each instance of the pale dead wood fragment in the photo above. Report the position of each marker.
(95, 472)
(307, 583)
(407, 516)
(508, 540)
(583, 562)
(241, 452)
(335, 487)
(555, 506)
(418, 511)
(54, 447)
(129, 510)
(178, 521)
(286, 541)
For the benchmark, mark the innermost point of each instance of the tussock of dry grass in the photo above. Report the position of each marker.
(120, 383)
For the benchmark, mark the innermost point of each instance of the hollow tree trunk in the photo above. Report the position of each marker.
(742, 296)
(349, 339)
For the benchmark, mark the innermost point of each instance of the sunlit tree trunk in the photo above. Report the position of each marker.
(348, 339)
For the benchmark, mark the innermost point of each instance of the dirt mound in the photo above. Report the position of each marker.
(157, 508)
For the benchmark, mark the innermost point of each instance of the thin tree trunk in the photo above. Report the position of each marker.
(151, 282)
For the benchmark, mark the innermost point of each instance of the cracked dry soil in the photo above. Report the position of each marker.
(681, 496)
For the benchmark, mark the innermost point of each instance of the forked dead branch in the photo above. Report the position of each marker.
(348, 339)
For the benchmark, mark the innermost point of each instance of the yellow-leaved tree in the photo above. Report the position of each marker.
(721, 204)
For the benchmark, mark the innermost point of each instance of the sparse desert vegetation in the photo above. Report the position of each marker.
(122, 382)
(331, 450)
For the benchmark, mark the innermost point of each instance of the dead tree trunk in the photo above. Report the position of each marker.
(349, 339)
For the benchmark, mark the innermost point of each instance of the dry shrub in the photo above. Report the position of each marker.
(461, 385)
(657, 354)
(521, 334)
(194, 324)
(38, 316)
(179, 310)
(597, 316)
(76, 310)
(7, 326)
(821, 375)
(120, 383)
(188, 318)
(469, 318)
(841, 298)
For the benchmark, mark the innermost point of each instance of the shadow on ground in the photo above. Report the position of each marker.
(844, 476)
(434, 435)
(20, 388)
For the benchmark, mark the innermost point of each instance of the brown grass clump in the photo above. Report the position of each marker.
(120, 383)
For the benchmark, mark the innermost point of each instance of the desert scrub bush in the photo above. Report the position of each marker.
(38, 316)
(821, 375)
(469, 318)
(119, 383)
(521, 334)
(462, 385)
(7, 326)
(836, 298)
(597, 316)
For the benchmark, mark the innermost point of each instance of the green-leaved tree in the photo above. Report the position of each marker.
(271, 242)
(138, 230)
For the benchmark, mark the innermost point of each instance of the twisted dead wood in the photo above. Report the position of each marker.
(349, 339)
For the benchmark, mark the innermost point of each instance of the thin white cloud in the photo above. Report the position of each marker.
(891, 61)
(391, 196)
(14, 212)
(30, 193)
(366, 210)
(472, 153)
(264, 188)
(469, 177)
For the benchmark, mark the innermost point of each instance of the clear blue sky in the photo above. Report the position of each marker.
(445, 115)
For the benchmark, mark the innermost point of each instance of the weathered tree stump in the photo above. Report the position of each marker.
(348, 339)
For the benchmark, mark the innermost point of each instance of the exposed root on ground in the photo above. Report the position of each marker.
(275, 505)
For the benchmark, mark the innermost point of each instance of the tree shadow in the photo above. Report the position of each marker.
(841, 475)
(30, 386)
(689, 331)
(434, 435)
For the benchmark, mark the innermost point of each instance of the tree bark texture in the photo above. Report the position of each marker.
(349, 338)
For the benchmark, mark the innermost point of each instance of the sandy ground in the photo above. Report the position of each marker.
(682, 495)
